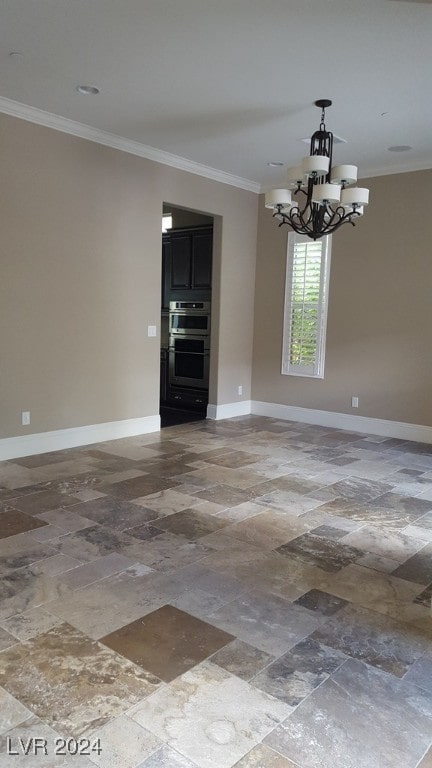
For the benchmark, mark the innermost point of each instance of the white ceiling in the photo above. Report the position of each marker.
(231, 83)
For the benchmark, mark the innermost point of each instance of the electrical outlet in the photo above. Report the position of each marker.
(240, 389)
(151, 330)
(354, 402)
(25, 418)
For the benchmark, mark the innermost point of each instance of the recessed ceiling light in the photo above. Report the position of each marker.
(87, 90)
(275, 164)
(399, 148)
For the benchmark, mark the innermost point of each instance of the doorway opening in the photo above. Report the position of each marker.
(187, 260)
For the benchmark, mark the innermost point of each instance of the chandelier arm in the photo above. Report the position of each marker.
(298, 224)
(317, 230)
(333, 213)
(299, 189)
(299, 219)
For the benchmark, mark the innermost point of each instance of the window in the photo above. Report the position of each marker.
(166, 222)
(306, 299)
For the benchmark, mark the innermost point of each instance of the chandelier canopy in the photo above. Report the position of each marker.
(323, 199)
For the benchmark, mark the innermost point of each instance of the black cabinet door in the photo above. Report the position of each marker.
(186, 264)
(202, 245)
(181, 261)
(166, 267)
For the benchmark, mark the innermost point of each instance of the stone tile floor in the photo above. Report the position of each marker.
(248, 593)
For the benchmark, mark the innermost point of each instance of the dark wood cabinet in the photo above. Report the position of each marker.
(163, 375)
(186, 264)
(166, 261)
(202, 249)
(188, 398)
(181, 261)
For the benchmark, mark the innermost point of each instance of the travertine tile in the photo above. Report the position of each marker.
(267, 530)
(14, 477)
(25, 589)
(140, 486)
(322, 602)
(43, 501)
(14, 522)
(197, 602)
(55, 565)
(427, 760)
(68, 520)
(268, 622)
(12, 713)
(377, 591)
(373, 638)
(223, 494)
(298, 672)
(233, 459)
(47, 532)
(239, 512)
(420, 673)
(22, 737)
(83, 686)
(359, 717)
(191, 524)
(283, 576)
(86, 574)
(289, 501)
(87, 494)
(167, 551)
(6, 639)
(124, 744)
(328, 554)
(417, 568)
(167, 642)
(374, 512)
(395, 545)
(167, 502)
(210, 716)
(360, 489)
(242, 659)
(111, 603)
(112, 513)
(167, 758)
(91, 543)
(329, 532)
(30, 623)
(264, 757)
(144, 532)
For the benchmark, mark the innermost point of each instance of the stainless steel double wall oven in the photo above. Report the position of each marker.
(189, 344)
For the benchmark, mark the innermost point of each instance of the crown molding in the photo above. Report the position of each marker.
(392, 170)
(73, 128)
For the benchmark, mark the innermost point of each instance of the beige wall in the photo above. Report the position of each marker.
(380, 310)
(183, 218)
(80, 279)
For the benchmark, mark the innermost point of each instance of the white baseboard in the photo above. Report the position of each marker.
(227, 411)
(59, 439)
(364, 424)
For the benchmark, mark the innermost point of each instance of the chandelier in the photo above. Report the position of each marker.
(323, 199)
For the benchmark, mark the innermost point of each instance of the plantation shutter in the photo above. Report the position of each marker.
(306, 296)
